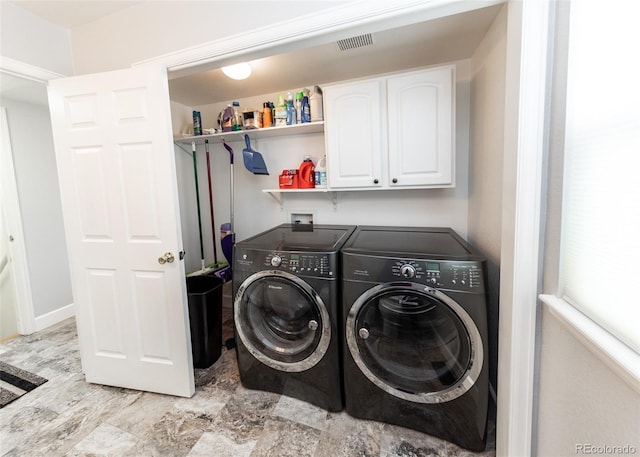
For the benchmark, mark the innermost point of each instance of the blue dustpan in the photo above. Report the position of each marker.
(253, 160)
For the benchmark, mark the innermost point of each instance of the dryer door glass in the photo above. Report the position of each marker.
(280, 320)
(412, 341)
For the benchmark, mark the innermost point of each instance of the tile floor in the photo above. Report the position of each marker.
(69, 417)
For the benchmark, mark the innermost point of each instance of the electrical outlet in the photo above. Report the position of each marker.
(301, 218)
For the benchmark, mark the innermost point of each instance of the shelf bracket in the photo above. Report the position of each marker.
(278, 199)
(185, 150)
(334, 199)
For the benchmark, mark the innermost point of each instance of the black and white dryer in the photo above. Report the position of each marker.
(286, 284)
(415, 330)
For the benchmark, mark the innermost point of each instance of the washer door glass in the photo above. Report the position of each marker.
(415, 344)
(282, 321)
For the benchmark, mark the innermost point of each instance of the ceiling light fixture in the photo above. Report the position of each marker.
(238, 71)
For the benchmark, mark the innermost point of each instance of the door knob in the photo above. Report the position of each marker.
(166, 258)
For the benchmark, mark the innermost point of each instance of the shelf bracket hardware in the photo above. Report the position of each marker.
(279, 200)
(334, 199)
(184, 149)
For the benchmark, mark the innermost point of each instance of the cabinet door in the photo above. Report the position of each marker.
(355, 133)
(421, 128)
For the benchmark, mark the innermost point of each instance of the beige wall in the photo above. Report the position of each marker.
(40, 207)
(580, 400)
(31, 40)
(485, 162)
(154, 28)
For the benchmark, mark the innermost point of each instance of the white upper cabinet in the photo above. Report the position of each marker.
(355, 130)
(392, 132)
(421, 128)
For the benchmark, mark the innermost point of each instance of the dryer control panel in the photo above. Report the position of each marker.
(301, 263)
(465, 276)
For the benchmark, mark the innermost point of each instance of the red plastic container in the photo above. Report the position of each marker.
(307, 172)
(288, 179)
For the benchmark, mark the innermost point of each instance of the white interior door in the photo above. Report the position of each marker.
(113, 141)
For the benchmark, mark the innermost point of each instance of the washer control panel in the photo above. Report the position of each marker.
(307, 264)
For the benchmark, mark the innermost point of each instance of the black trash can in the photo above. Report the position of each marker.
(205, 318)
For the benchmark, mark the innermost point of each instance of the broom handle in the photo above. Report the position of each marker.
(233, 239)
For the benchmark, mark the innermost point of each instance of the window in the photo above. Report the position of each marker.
(600, 244)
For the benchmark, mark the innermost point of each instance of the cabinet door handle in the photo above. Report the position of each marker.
(394, 180)
(375, 181)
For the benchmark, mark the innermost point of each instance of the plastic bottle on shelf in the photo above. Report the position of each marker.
(321, 173)
(227, 119)
(237, 117)
(307, 175)
(266, 115)
(281, 111)
(298, 105)
(291, 110)
(305, 112)
(315, 104)
(273, 113)
(197, 123)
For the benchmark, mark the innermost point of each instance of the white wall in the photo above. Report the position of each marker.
(39, 196)
(255, 211)
(32, 40)
(35, 43)
(485, 163)
(153, 28)
(580, 400)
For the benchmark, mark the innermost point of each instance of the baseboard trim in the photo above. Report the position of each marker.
(55, 316)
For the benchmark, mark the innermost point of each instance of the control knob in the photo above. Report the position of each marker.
(408, 271)
(276, 260)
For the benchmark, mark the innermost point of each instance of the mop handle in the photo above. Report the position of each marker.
(213, 222)
(228, 148)
(195, 174)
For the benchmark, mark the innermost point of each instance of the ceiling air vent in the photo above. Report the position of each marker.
(355, 42)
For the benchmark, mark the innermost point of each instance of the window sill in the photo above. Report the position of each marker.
(621, 359)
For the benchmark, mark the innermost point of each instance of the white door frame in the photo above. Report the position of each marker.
(18, 265)
(346, 20)
(526, 94)
(525, 146)
(11, 205)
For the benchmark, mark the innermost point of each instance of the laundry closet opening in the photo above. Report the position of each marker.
(473, 42)
(304, 65)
